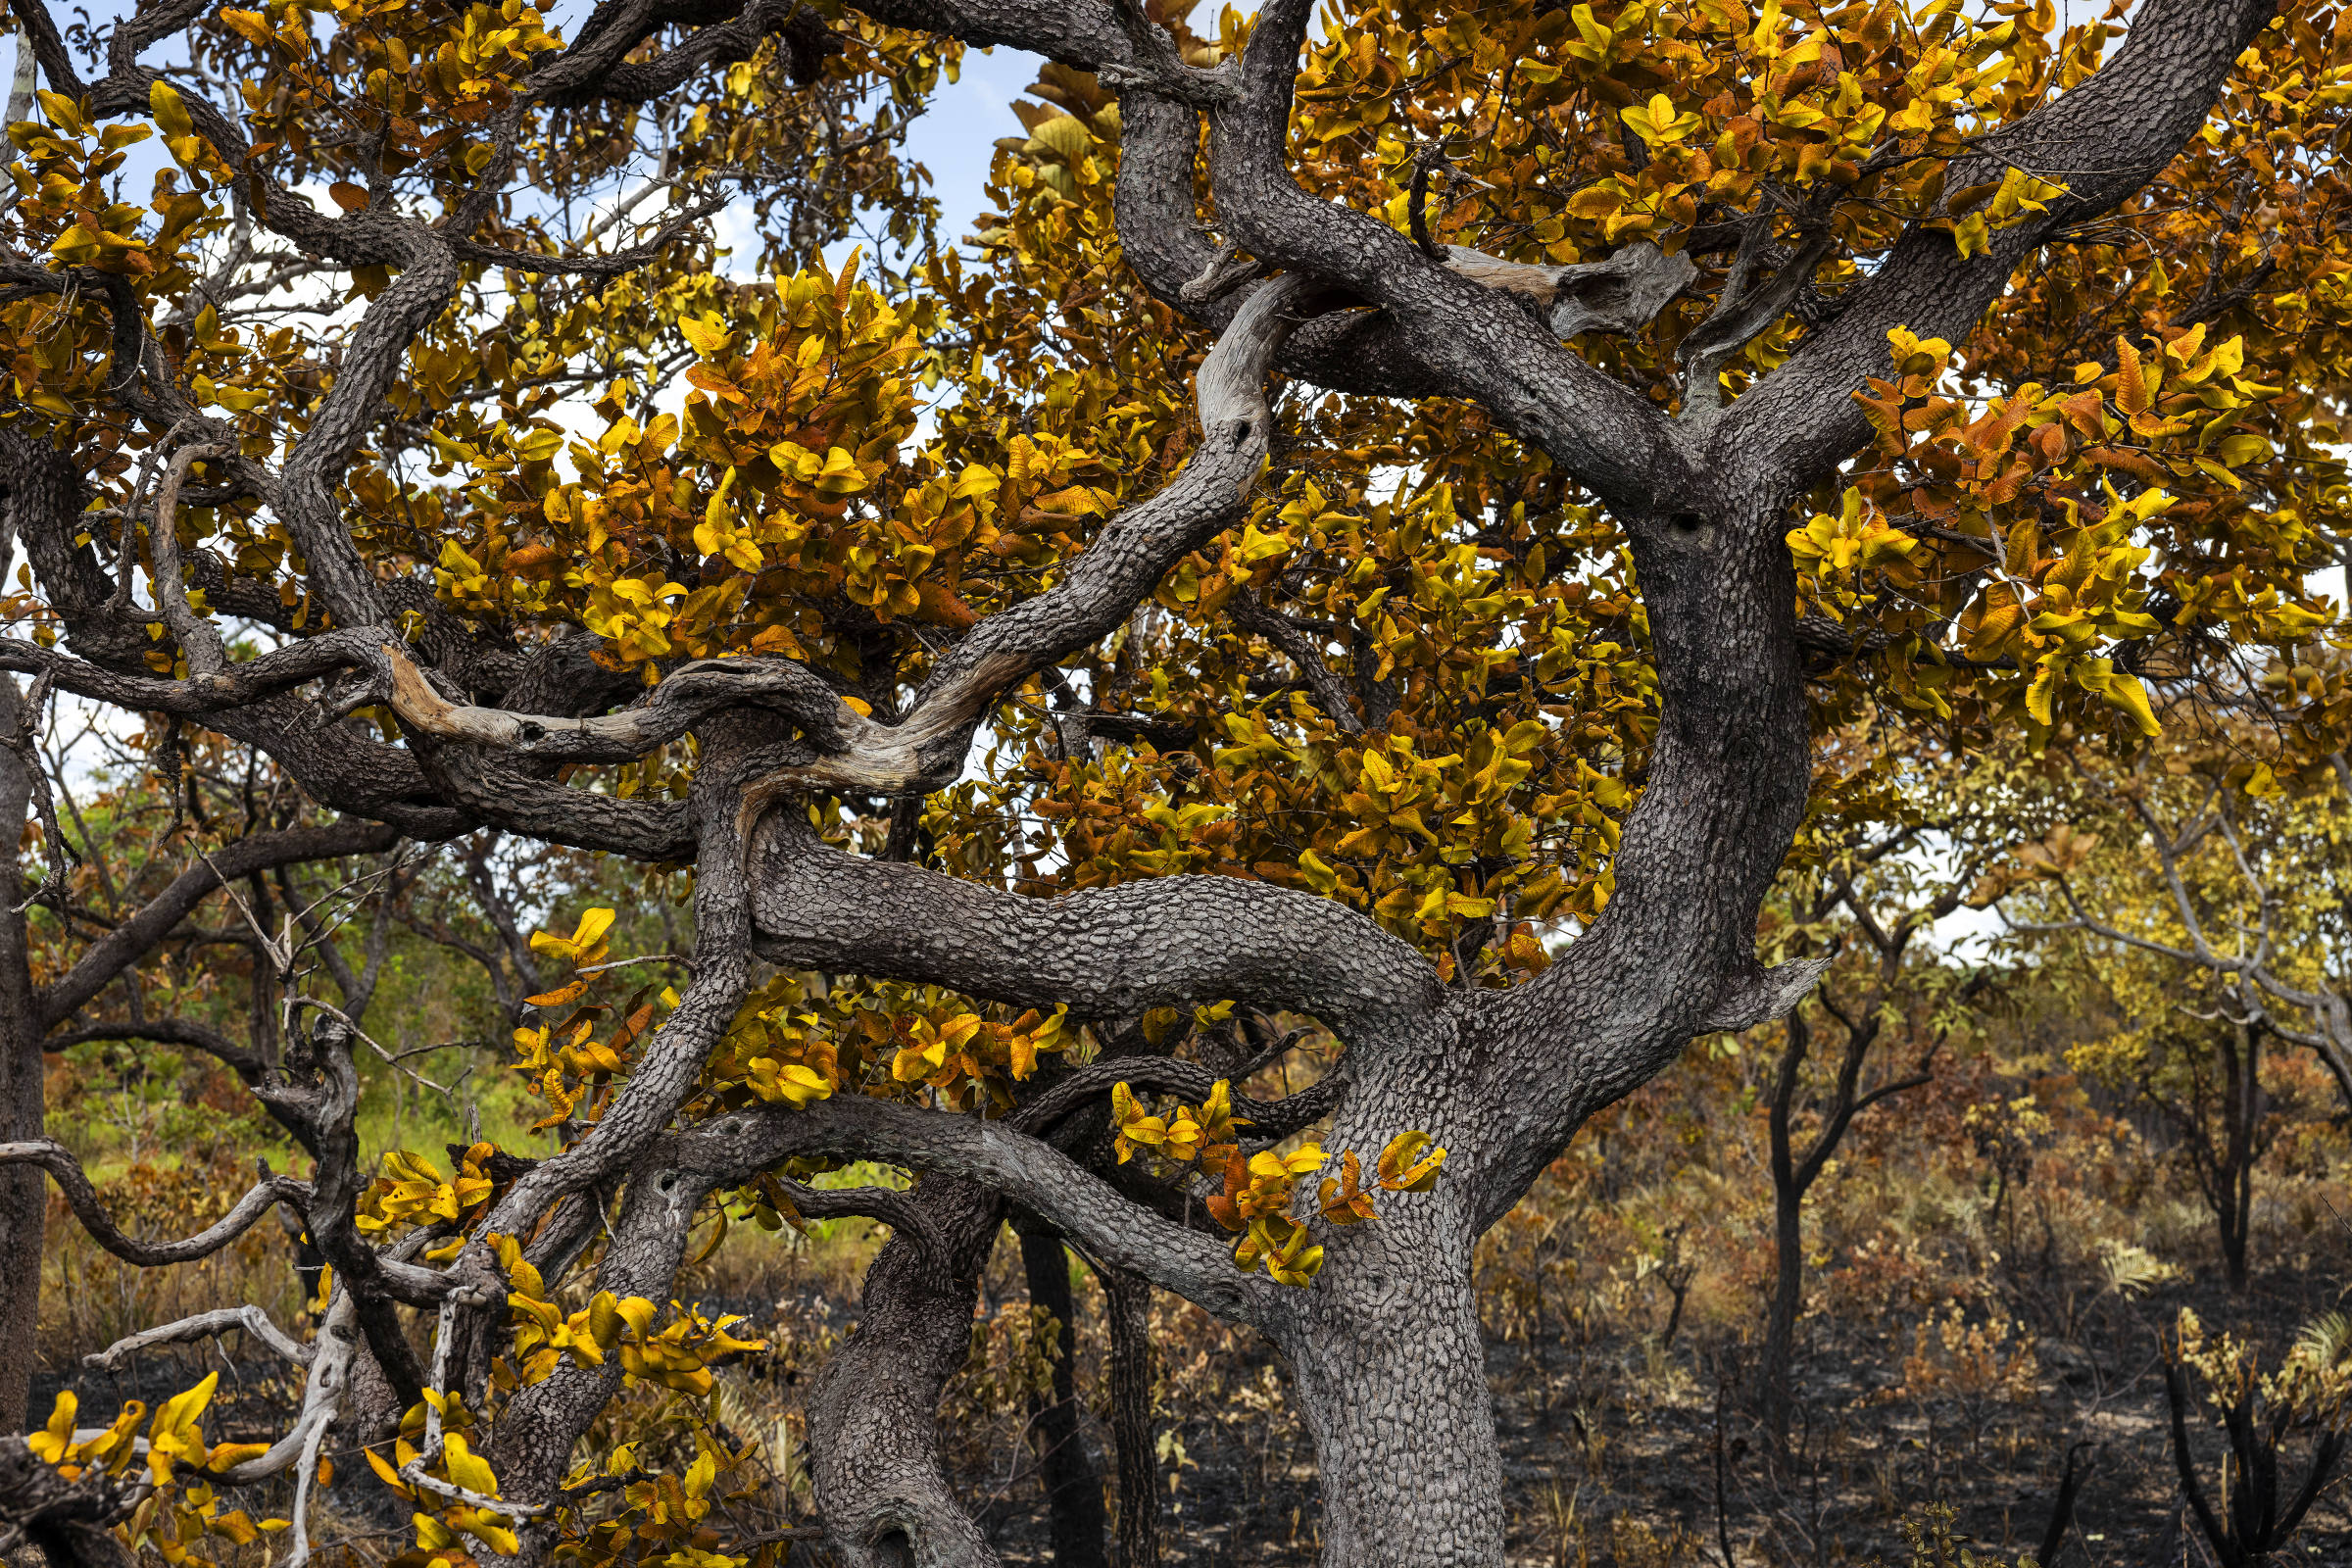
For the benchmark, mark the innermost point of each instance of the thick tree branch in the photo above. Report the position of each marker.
(925, 749)
(247, 1066)
(1027, 1170)
(1108, 954)
(1476, 341)
(1267, 1120)
(2104, 140)
(203, 1326)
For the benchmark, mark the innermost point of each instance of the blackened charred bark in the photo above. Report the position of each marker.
(2242, 1109)
(71, 1522)
(1773, 1388)
(2225, 1167)
(320, 1099)
(1794, 1175)
(1127, 1309)
(23, 1193)
(1073, 1484)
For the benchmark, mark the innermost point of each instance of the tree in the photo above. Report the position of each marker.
(2233, 893)
(1310, 750)
(2257, 1411)
(1868, 883)
(106, 904)
(2208, 916)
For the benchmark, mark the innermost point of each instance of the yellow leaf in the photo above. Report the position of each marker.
(707, 336)
(581, 943)
(228, 1454)
(51, 1442)
(2038, 695)
(386, 1473)
(170, 111)
(603, 1319)
(180, 1412)
(63, 111)
(467, 1468)
(840, 476)
(1403, 1169)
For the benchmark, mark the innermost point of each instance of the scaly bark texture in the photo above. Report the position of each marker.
(873, 1415)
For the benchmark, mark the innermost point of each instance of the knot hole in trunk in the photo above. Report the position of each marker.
(1693, 530)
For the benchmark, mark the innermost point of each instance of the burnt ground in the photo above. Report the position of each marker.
(1619, 1450)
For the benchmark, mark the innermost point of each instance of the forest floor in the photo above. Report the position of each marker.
(1625, 1451)
(1620, 1450)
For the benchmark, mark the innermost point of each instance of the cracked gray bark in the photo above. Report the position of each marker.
(873, 1415)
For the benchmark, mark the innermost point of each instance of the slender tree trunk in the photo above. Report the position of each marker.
(1774, 1393)
(1127, 1303)
(2242, 1110)
(1776, 1370)
(23, 1191)
(1073, 1486)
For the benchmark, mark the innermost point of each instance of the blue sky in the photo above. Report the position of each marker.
(956, 138)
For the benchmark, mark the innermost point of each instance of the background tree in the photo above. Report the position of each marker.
(1869, 880)
(2169, 865)
(202, 883)
(2205, 918)
(1558, 673)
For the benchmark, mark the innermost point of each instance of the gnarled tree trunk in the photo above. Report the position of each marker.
(873, 1415)
(1389, 1367)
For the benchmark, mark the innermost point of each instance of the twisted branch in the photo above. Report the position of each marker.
(82, 1198)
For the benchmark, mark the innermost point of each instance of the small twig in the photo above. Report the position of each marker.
(677, 959)
(295, 1004)
(55, 882)
(1429, 156)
